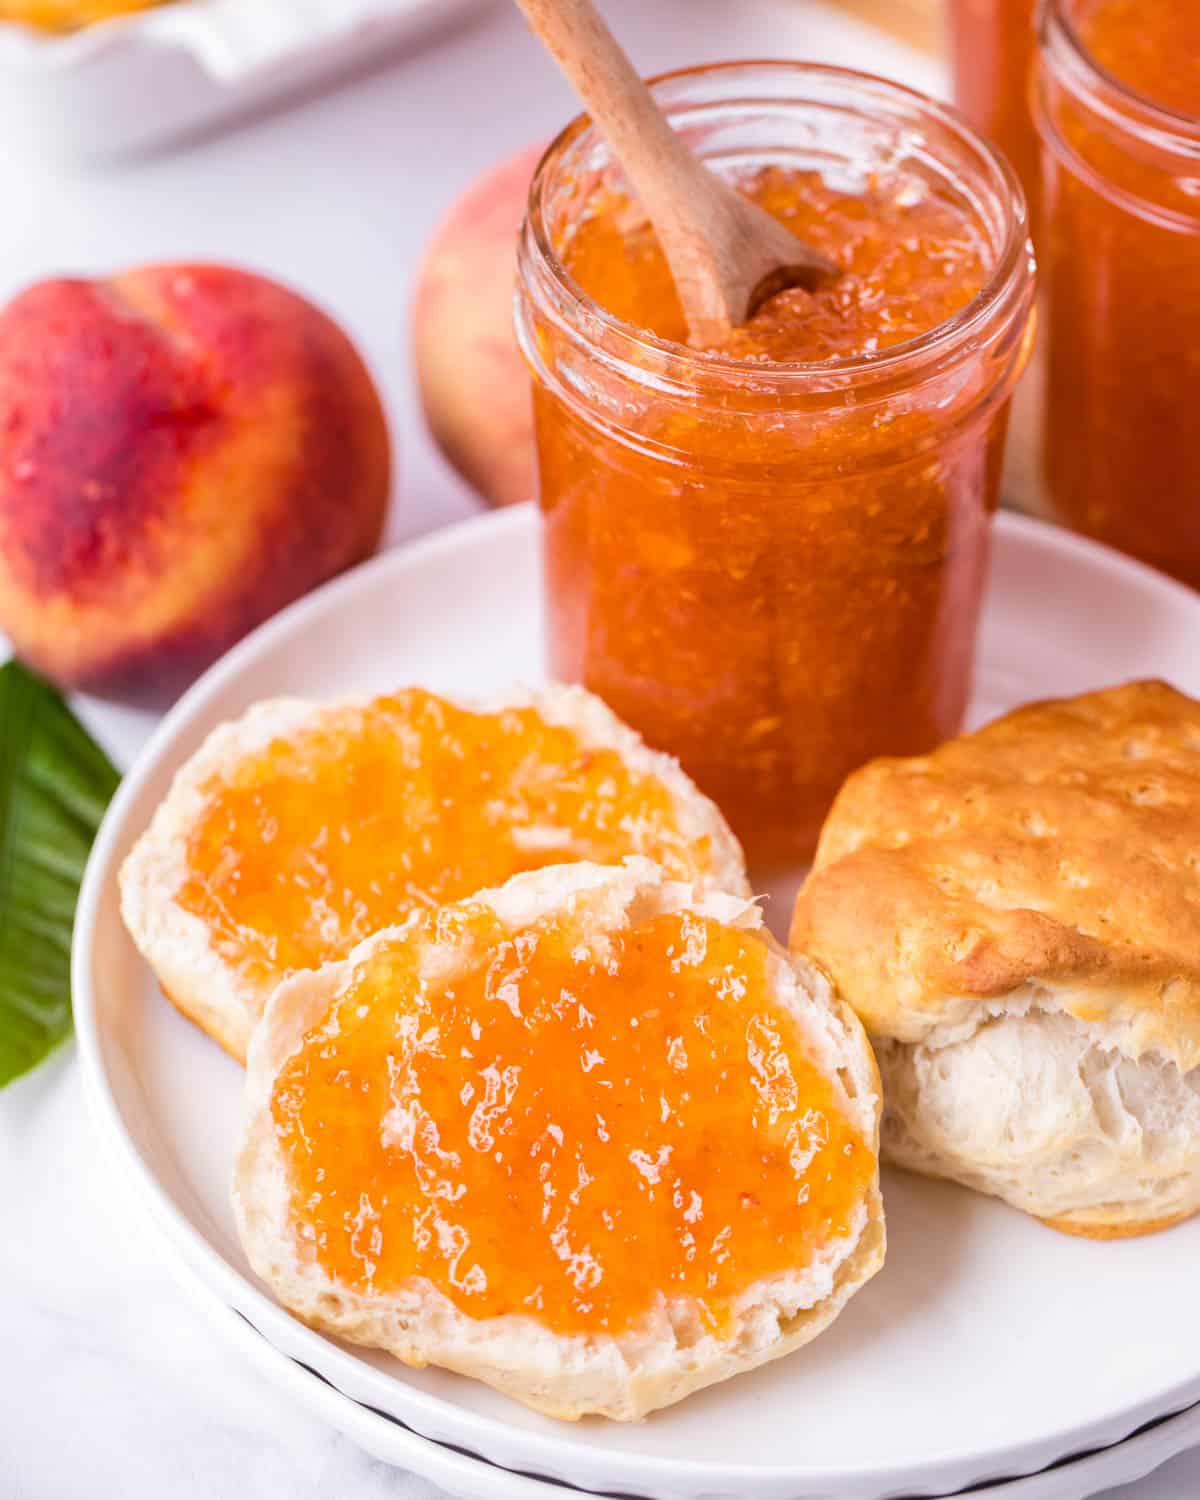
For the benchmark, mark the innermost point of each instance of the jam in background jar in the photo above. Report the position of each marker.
(991, 55)
(1118, 110)
(769, 557)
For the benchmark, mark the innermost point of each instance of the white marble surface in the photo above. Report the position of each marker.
(111, 1382)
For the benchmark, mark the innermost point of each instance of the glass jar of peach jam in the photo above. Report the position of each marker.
(991, 55)
(1118, 110)
(769, 557)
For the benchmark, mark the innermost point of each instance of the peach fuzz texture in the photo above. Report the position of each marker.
(183, 451)
(473, 382)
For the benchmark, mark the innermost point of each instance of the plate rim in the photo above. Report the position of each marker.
(315, 1392)
(235, 1289)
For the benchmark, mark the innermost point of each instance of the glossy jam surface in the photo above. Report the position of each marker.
(991, 51)
(771, 591)
(336, 830)
(565, 1129)
(1122, 275)
(910, 260)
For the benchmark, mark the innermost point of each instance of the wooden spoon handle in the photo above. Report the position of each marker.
(660, 167)
(604, 78)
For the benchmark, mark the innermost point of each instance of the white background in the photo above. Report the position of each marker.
(111, 1383)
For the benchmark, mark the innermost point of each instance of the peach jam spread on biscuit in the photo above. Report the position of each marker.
(566, 1127)
(347, 825)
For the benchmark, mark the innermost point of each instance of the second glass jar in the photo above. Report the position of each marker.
(1121, 202)
(774, 570)
(991, 55)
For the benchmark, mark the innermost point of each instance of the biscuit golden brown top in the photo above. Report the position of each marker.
(1058, 846)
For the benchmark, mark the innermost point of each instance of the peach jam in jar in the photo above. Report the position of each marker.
(768, 556)
(991, 56)
(1118, 106)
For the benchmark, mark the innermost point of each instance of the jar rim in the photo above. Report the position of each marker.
(1063, 48)
(1014, 259)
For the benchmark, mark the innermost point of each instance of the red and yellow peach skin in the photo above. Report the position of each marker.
(183, 450)
(473, 382)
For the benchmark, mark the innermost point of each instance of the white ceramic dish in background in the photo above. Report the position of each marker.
(988, 1348)
(152, 76)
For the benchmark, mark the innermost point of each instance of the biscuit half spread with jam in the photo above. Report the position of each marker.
(302, 828)
(592, 1137)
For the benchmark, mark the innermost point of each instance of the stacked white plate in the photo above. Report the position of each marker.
(990, 1351)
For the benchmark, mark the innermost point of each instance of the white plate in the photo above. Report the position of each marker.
(467, 1478)
(988, 1348)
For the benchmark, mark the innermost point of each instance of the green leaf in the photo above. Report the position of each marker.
(55, 783)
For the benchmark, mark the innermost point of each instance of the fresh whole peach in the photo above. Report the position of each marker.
(183, 450)
(473, 382)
